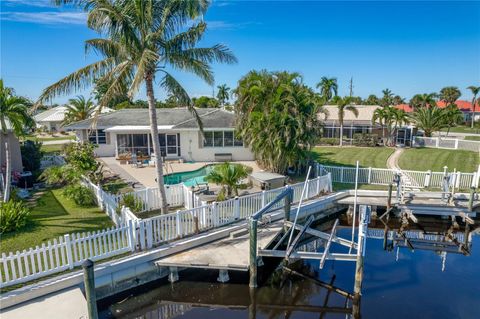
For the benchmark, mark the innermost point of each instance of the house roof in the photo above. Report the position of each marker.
(365, 114)
(463, 106)
(176, 118)
(57, 114)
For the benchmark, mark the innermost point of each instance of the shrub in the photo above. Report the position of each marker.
(31, 156)
(329, 141)
(13, 215)
(365, 139)
(60, 175)
(129, 200)
(80, 195)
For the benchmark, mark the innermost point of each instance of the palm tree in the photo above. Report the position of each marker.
(391, 118)
(328, 87)
(380, 116)
(423, 100)
(145, 39)
(79, 109)
(397, 100)
(429, 119)
(372, 100)
(450, 95)
(387, 98)
(345, 104)
(13, 117)
(452, 116)
(223, 94)
(229, 176)
(475, 90)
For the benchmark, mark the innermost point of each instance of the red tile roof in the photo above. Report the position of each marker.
(464, 106)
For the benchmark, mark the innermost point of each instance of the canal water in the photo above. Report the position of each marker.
(396, 284)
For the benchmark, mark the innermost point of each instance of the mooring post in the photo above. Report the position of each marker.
(253, 253)
(389, 199)
(362, 237)
(252, 308)
(470, 200)
(89, 282)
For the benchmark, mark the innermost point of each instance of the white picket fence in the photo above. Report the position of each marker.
(446, 143)
(384, 176)
(63, 254)
(107, 202)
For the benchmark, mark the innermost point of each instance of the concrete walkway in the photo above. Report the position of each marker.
(407, 180)
(392, 161)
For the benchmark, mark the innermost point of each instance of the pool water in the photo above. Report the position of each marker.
(190, 178)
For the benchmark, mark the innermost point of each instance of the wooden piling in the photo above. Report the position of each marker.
(470, 200)
(89, 282)
(287, 207)
(253, 253)
(389, 199)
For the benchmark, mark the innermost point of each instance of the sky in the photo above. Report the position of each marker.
(407, 46)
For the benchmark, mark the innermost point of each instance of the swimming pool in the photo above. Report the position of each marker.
(190, 178)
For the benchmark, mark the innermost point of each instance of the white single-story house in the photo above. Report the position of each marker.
(127, 131)
(360, 124)
(52, 119)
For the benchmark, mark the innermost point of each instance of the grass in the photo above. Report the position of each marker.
(347, 186)
(422, 159)
(44, 139)
(347, 156)
(463, 129)
(51, 149)
(51, 217)
(472, 138)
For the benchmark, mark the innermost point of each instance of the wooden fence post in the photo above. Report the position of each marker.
(428, 178)
(68, 248)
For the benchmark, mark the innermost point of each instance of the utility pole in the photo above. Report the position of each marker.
(351, 86)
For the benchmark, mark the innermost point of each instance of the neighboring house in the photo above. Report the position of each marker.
(127, 132)
(52, 119)
(14, 147)
(361, 124)
(464, 106)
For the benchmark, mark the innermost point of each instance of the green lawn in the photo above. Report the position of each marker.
(55, 148)
(472, 138)
(43, 139)
(54, 216)
(422, 159)
(463, 129)
(347, 156)
(346, 186)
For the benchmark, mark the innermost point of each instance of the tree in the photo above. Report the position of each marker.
(423, 100)
(144, 41)
(450, 95)
(475, 90)
(372, 100)
(205, 101)
(429, 119)
(397, 100)
(387, 98)
(79, 109)
(345, 104)
(390, 118)
(14, 117)
(452, 116)
(230, 177)
(118, 101)
(277, 117)
(223, 94)
(328, 87)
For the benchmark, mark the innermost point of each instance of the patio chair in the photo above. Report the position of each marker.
(134, 160)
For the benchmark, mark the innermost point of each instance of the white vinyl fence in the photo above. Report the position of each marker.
(447, 143)
(384, 176)
(63, 254)
(51, 160)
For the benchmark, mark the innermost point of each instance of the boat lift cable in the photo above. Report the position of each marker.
(354, 207)
(299, 206)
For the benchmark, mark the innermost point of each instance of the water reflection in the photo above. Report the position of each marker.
(428, 269)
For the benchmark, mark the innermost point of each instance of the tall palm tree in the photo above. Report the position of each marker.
(380, 116)
(475, 90)
(144, 41)
(452, 116)
(390, 118)
(328, 87)
(79, 109)
(449, 94)
(387, 98)
(345, 104)
(423, 100)
(223, 94)
(397, 100)
(14, 117)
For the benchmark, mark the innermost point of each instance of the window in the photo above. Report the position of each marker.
(221, 139)
(97, 137)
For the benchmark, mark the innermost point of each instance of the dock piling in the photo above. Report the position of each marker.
(389, 199)
(470, 200)
(89, 282)
(253, 253)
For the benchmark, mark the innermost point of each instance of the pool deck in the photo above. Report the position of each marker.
(146, 175)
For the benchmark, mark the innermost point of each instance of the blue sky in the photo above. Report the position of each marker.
(409, 47)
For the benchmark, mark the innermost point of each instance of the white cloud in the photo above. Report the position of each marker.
(47, 17)
(223, 25)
